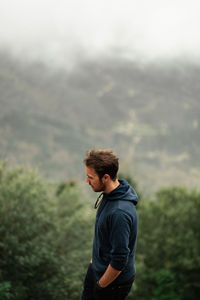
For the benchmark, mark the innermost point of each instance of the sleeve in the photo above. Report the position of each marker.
(120, 229)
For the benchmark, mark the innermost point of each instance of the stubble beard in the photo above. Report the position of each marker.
(100, 188)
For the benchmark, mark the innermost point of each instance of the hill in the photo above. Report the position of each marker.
(148, 114)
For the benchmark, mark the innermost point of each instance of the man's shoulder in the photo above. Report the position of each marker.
(121, 205)
(126, 210)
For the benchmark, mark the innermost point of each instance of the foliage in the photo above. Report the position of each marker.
(46, 239)
(165, 286)
(38, 236)
(28, 261)
(5, 290)
(75, 220)
(64, 185)
(168, 256)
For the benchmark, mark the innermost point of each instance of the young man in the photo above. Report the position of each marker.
(111, 271)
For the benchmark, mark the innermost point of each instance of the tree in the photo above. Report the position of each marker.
(29, 268)
(45, 237)
(168, 245)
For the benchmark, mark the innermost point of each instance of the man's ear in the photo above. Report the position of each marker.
(106, 177)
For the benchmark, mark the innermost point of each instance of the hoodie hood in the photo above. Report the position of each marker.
(123, 192)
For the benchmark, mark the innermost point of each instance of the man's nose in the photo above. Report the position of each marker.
(86, 179)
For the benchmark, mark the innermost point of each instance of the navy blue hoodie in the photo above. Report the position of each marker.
(116, 233)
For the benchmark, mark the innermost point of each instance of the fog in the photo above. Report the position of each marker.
(70, 30)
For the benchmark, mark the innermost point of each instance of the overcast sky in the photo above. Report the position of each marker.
(60, 30)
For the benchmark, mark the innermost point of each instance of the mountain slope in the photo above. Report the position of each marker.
(148, 114)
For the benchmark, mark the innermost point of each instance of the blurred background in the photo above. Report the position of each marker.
(107, 74)
(114, 74)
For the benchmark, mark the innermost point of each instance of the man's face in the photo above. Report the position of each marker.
(93, 179)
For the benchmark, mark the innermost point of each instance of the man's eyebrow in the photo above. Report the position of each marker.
(90, 176)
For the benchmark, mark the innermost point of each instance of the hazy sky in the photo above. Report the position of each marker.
(60, 30)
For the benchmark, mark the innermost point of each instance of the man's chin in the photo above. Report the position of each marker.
(97, 190)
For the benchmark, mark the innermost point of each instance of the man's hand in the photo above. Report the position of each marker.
(109, 276)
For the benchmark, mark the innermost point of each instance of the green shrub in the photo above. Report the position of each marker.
(168, 256)
(45, 237)
(27, 230)
(5, 290)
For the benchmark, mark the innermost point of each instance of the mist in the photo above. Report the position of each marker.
(66, 32)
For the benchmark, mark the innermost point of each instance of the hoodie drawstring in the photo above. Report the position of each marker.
(98, 201)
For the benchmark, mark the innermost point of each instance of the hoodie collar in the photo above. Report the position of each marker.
(123, 192)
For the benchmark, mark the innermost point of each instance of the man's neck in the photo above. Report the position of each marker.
(111, 186)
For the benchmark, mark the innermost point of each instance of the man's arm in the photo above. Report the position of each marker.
(109, 276)
(119, 239)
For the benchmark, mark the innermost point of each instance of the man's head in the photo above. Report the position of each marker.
(101, 168)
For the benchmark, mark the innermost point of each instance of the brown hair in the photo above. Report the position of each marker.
(103, 161)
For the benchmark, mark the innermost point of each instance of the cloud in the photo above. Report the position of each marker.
(68, 29)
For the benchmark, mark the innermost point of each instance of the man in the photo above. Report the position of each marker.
(111, 271)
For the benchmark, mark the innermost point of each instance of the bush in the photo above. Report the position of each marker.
(5, 290)
(168, 257)
(45, 237)
(29, 266)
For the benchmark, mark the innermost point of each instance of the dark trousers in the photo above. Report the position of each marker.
(111, 292)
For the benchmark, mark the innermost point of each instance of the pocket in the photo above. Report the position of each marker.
(121, 291)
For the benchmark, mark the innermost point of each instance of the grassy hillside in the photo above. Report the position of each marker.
(148, 114)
